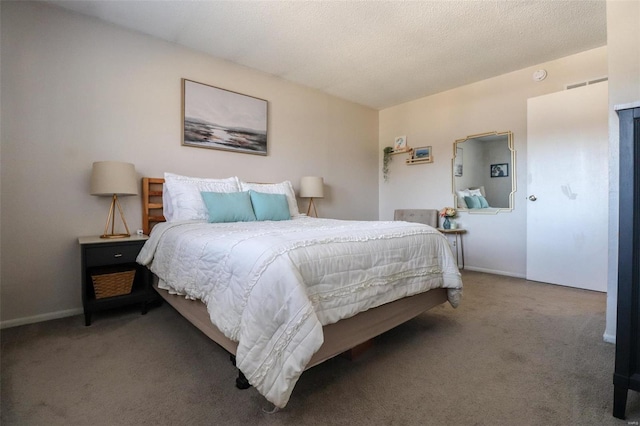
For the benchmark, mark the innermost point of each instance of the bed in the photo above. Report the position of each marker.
(264, 290)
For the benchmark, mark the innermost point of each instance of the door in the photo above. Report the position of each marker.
(567, 187)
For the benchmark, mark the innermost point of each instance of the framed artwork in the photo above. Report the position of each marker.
(457, 163)
(422, 154)
(220, 119)
(500, 170)
(400, 143)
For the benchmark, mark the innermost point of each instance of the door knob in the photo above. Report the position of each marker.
(532, 198)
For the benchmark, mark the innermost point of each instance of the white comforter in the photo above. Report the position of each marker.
(271, 286)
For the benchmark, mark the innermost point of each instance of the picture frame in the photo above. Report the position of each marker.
(499, 170)
(422, 154)
(458, 163)
(216, 118)
(400, 143)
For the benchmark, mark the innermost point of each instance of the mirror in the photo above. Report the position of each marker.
(483, 170)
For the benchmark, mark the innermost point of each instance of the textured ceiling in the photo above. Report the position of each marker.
(376, 53)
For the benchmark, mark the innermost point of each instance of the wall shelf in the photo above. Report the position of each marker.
(411, 161)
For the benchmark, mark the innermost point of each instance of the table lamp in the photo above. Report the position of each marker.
(113, 178)
(311, 187)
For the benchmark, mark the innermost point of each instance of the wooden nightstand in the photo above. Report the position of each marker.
(113, 260)
(459, 244)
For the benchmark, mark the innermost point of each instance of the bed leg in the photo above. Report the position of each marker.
(358, 350)
(241, 380)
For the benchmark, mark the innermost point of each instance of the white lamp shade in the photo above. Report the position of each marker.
(311, 187)
(114, 177)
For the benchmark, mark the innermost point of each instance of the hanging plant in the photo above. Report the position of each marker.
(386, 159)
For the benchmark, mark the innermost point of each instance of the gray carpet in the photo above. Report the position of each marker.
(514, 353)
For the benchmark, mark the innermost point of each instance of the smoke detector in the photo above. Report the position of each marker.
(539, 75)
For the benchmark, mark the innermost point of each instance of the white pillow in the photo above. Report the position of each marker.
(475, 192)
(182, 199)
(478, 188)
(285, 188)
(461, 194)
(167, 207)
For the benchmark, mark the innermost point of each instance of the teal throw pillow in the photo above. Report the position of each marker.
(483, 202)
(228, 206)
(270, 206)
(472, 202)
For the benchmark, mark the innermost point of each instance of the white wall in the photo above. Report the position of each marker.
(496, 104)
(76, 90)
(623, 38)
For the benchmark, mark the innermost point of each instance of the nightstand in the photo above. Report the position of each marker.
(459, 244)
(110, 275)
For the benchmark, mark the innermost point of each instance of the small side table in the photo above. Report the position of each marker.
(459, 244)
(102, 256)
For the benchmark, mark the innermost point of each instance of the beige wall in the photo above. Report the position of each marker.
(623, 38)
(495, 243)
(75, 91)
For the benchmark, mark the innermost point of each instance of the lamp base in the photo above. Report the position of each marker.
(312, 205)
(111, 219)
(115, 235)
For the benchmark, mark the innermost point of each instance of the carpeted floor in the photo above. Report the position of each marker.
(514, 353)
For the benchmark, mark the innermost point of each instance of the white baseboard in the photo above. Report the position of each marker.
(609, 338)
(40, 318)
(493, 271)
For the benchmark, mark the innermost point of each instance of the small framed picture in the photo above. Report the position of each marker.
(400, 143)
(422, 154)
(500, 170)
(458, 163)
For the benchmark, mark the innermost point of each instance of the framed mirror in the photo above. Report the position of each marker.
(484, 172)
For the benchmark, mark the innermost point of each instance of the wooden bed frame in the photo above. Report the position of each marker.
(355, 333)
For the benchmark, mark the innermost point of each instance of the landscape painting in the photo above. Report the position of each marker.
(220, 119)
(422, 154)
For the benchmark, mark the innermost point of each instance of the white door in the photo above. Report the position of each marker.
(567, 187)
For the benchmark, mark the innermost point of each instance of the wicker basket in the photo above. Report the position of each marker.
(113, 284)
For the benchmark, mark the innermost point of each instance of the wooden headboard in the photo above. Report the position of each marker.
(151, 203)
